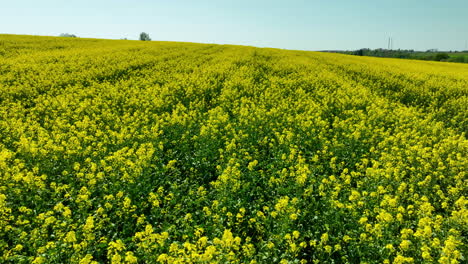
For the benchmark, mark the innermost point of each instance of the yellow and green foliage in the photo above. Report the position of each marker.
(116, 151)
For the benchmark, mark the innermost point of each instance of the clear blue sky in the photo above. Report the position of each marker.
(290, 24)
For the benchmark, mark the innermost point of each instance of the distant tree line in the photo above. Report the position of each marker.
(143, 36)
(430, 55)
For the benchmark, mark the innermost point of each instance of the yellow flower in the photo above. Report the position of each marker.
(70, 237)
(401, 259)
(116, 259)
(252, 165)
(324, 238)
(18, 247)
(39, 260)
(346, 238)
(89, 225)
(426, 255)
(355, 195)
(363, 220)
(88, 259)
(390, 247)
(118, 245)
(405, 244)
(296, 234)
(130, 258)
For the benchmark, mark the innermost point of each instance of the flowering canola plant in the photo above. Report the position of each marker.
(115, 151)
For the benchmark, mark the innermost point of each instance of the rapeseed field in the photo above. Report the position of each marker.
(115, 151)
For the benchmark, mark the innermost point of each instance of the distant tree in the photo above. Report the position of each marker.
(441, 56)
(144, 36)
(66, 35)
(359, 52)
